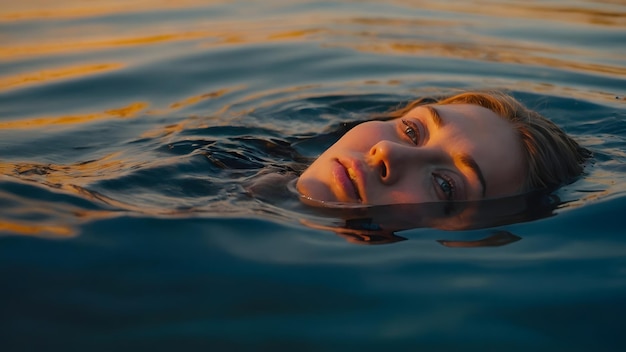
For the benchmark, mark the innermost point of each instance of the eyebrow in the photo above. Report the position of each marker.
(465, 159)
(434, 115)
(468, 161)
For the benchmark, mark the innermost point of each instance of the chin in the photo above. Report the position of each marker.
(312, 190)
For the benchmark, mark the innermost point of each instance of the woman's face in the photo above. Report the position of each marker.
(433, 153)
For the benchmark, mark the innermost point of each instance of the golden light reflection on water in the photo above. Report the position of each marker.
(526, 55)
(73, 46)
(555, 11)
(230, 33)
(191, 121)
(129, 111)
(301, 33)
(77, 173)
(132, 110)
(44, 9)
(601, 13)
(53, 74)
(372, 34)
(55, 219)
(74, 179)
(198, 98)
(29, 229)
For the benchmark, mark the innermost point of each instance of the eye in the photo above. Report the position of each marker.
(411, 131)
(446, 185)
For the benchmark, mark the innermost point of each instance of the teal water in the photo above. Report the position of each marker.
(130, 132)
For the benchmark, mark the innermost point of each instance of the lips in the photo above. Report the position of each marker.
(346, 178)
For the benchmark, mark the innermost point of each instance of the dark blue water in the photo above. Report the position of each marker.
(130, 134)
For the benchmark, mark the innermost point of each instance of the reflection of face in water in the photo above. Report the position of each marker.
(458, 152)
(379, 224)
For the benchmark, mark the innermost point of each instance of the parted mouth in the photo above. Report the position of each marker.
(352, 176)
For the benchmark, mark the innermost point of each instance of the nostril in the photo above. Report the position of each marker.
(383, 170)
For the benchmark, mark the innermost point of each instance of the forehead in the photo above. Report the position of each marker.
(474, 118)
(458, 113)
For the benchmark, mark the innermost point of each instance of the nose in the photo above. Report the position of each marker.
(388, 160)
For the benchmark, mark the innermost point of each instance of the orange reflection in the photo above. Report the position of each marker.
(577, 13)
(297, 26)
(63, 220)
(37, 230)
(199, 98)
(167, 130)
(109, 166)
(488, 52)
(292, 34)
(232, 33)
(55, 74)
(193, 120)
(105, 167)
(128, 111)
(74, 176)
(74, 179)
(67, 47)
(44, 9)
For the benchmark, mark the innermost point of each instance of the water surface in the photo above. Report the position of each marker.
(129, 131)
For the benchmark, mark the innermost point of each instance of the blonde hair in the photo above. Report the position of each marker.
(552, 157)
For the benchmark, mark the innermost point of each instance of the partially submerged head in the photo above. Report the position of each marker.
(469, 146)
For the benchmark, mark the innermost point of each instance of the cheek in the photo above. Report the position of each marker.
(413, 187)
(403, 196)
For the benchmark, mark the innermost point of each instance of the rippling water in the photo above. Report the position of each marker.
(130, 131)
